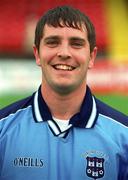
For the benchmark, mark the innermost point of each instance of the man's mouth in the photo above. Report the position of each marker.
(63, 67)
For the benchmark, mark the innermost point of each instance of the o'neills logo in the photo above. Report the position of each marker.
(28, 162)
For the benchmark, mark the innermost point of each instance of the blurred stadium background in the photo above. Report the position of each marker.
(19, 75)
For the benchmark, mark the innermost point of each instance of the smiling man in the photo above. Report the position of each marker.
(63, 131)
(64, 56)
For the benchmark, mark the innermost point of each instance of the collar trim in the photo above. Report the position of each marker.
(55, 128)
(36, 108)
(93, 115)
(84, 119)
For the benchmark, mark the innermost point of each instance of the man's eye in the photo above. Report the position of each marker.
(51, 43)
(77, 45)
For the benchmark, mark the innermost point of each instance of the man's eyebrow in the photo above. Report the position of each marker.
(77, 39)
(51, 37)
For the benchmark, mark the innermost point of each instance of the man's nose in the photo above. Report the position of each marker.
(64, 52)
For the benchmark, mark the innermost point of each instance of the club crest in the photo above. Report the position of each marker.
(95, 167)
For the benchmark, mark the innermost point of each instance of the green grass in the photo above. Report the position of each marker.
(119, 102)
(10, 98)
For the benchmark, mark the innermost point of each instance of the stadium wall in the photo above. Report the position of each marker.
(24, 76)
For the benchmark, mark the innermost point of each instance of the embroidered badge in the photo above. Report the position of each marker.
(95, 167)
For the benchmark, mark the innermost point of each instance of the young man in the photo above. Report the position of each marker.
(62, 131)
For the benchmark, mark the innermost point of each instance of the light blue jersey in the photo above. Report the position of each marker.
(32, 146)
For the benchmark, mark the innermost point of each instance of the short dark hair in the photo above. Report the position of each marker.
(65, 16)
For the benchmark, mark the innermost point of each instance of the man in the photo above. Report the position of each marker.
(62, 131)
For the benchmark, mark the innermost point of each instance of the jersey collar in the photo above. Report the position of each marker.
(84, 119)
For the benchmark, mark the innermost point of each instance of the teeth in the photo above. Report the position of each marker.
(64, 67)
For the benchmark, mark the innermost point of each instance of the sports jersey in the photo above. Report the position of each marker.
(93, 146)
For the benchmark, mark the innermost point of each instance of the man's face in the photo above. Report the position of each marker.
(64, 56)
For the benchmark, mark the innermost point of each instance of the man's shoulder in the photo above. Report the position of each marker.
(14, 107)
(110, 112)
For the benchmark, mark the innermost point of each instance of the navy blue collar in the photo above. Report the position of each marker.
(84, 119)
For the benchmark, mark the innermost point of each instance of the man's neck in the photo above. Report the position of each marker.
(64, 107)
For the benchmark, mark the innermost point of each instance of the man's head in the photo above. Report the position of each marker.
(64, 49)
(65, 16)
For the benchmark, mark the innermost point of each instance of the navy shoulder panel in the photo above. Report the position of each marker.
(12, 108)
(111, 112)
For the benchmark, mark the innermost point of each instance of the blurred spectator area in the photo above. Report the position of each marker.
(110, 18)
(18, 20)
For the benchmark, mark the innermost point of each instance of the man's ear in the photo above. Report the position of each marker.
(92, 58)
(36, 54)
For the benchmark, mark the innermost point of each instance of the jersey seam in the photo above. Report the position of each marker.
(11, 114)
(114, 120)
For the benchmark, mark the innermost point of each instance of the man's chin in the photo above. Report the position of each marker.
(64, 89)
